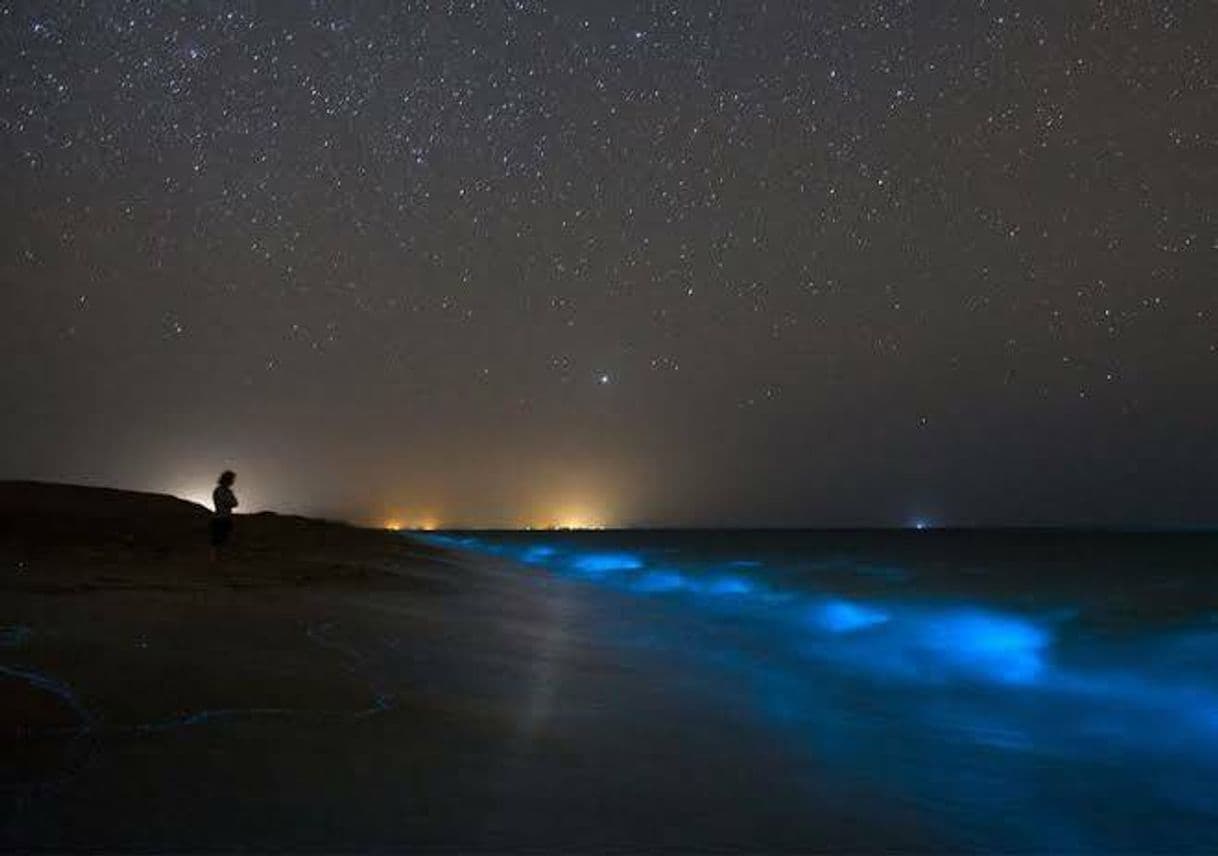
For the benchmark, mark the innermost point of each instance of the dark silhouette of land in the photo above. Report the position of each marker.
(57, 537)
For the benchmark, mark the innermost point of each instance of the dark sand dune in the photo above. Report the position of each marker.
(56, 537)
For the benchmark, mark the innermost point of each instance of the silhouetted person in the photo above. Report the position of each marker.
(225, 501)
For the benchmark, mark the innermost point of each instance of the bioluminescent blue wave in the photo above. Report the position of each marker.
(659, 582)
(601, 564)
(841, 616)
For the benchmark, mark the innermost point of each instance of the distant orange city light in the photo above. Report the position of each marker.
(421, 524)
(574, 519)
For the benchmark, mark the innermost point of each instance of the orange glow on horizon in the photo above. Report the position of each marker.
(406, 523)
(571, 513)
(574, 519)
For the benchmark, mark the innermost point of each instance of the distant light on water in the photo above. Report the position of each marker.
(404, 523)
(574, 519)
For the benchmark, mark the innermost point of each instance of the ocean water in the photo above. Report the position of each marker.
(1045, 691)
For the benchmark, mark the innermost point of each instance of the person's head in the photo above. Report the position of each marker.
(227, 478)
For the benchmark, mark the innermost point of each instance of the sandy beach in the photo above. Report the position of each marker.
(139, 671)
(119, 636)
(333, 688)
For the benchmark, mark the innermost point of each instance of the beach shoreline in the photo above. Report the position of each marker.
(332, 688)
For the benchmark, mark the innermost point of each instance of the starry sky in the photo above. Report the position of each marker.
(627, 263)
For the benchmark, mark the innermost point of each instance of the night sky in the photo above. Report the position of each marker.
(508, 263)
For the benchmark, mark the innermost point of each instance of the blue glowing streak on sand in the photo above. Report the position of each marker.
(61, 690)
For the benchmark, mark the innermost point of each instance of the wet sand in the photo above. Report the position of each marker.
(331, 688)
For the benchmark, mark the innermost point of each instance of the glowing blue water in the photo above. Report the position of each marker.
(1049, 694)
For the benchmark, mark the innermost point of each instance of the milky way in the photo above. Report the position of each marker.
(723, 263)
